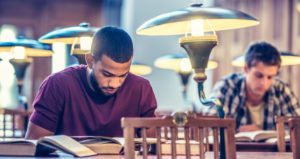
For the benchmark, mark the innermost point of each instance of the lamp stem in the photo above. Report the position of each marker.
(214, 103)
(20, 66)
(184, 76)
(80, 58)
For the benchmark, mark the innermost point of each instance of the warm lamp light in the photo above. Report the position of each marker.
(140, 69)
(80, 37)
(191, 21)
(287, 59)
(179, 63)
(298, 7)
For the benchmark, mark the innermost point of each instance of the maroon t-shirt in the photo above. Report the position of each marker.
(65, 104)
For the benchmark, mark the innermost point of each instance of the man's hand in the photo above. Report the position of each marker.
(252, 127)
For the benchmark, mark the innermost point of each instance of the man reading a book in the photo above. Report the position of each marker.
(255, 97)
(91, 99)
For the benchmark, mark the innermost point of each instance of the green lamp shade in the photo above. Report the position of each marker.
(287, 59)
(179, 21)
(68, 35)
(140, 69)
(32, 48)
(179, 62)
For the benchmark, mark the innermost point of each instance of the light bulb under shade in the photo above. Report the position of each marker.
(32, 48)
(140, 69)
(68, 35)
(178, 22)
(287, 59)
(174, 62)
(298, 7)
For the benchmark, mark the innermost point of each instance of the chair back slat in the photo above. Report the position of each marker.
(201, 142)
(294, 124)
(281, 121)
(144, 143)
(173, 141)
(187, 143)
(158, 145)
(216, 142)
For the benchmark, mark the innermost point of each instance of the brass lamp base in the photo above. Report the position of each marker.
(20, 66)
(199, 49)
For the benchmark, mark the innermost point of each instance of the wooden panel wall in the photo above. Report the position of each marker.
(34, 18)
(279, 25)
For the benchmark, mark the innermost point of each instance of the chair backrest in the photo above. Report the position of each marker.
(13, 123)
(294, 124)
(201, 123)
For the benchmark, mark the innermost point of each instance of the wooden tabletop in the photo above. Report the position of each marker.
(259, 146)
(209, 155)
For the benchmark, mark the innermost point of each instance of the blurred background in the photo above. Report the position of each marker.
(279, 25)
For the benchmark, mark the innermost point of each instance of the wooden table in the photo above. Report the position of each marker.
(209, 155)
(256, 147)
(259, 147)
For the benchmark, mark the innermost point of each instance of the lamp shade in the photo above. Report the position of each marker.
(178, 22)
(179, 62)
(287, 59)
(140, 69)
(68, 35)
(31, 48)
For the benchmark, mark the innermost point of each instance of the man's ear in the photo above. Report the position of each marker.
(246, 68)
(89, 60)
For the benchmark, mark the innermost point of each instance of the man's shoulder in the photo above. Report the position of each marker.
(67, 74)
(279, 85)
(234, 77)
(135, 79)
(232, 80)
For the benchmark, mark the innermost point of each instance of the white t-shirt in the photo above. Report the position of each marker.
(256, 114)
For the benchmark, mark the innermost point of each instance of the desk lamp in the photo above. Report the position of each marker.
(80, 37)
(198, 25)
(22, 50)
(181, 64)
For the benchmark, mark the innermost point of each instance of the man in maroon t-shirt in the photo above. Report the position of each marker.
(92, 99)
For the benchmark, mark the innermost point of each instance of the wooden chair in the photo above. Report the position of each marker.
(294, 124)
(131, 124)
(13, 123)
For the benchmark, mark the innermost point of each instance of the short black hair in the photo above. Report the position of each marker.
(113, 42)
(262, 52)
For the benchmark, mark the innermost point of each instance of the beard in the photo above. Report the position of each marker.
(95, 84)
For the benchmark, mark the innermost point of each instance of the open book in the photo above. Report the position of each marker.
(260, 135)
(43, 146)
(102, 144)
(287, 139)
